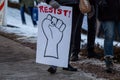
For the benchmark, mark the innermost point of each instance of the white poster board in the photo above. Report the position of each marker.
(54, 32)
(3, 8)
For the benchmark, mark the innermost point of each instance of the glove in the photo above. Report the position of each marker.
(54, 4)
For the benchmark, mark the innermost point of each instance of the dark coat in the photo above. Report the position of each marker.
(110, 11)
(65, 1)
(27, 3)
(70, 1)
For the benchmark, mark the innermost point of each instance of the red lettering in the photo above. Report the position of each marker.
(46, 9)
(41, 8)
(55, 11)
(69, 13)
(65, 12)
(59, 11)
(50, 9)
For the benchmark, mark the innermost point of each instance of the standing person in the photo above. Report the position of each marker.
(29, 5)
(22, 9)
(91, 17)
(109, 15)
(76, 27)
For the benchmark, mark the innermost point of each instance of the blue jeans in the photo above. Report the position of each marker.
(22, 11)
(108, 27)
(30, 11)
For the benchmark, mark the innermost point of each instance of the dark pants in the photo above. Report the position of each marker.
(76, 32)
(30, 11)
(22, 10)
(77, 19)
(91, 33)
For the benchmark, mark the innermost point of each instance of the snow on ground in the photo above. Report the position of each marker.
(27, 31)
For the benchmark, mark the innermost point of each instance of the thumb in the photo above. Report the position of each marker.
(54, 4)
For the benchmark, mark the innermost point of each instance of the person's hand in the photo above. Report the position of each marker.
(54, 4)
(38, 2)
(92, 12)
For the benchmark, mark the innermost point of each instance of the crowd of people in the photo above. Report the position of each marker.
(103, 10)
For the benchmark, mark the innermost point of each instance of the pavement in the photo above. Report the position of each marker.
(17, 62)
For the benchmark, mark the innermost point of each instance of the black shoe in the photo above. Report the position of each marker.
(52, 70)
(74, 56)
(94, 55)
(70, 68)
(109, 64)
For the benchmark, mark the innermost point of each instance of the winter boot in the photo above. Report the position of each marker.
(52, 69)
(109, 64)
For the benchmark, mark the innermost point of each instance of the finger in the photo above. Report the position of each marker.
(59, 23)
(54, 4)
(54, 20)
(62, 28)
(49, 17)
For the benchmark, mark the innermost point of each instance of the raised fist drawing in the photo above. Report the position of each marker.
(53, 30)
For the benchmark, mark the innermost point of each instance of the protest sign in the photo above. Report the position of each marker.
(3, 7)
(54, 32)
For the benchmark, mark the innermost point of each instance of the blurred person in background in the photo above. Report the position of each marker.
(109, 15)
(27, 5)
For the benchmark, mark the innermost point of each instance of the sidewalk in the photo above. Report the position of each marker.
(17, 62)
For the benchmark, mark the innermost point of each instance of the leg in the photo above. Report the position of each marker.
(108, 28)
(22, 10)
(91, 36)
(76, 34)
(30, 10)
